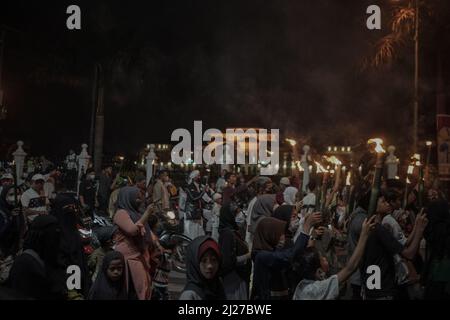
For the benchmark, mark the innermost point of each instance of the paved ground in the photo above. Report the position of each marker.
(177, 282)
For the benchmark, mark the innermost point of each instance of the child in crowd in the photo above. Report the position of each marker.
(203, 264)
(110, 282)
(105, 237)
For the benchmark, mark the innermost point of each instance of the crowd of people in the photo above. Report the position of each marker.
(259, 238)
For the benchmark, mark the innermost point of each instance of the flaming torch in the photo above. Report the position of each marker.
(320, 169)
(338, 164)
(427, 164)
(377, 177)
(421, 182)
(292, 142)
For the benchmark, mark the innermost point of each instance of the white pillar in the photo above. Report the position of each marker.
(151, 156)
(305, 165)
(19, 160)
(391, 163)
(83, 163)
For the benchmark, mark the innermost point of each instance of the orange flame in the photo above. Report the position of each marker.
(291, 142)
(379, 144)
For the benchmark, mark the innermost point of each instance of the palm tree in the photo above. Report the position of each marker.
(404, 26)
(404, 29)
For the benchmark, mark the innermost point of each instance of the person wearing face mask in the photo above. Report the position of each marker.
(236, 266)
(6, 179)
(133, 240)
(33, 200)
(315, 285)
(270, 257)
(12, 223)
(88, 189)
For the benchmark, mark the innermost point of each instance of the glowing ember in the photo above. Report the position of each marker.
(291, 142)
(379, 144)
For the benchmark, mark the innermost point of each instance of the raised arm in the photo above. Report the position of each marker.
(353, 263)
(421, 222)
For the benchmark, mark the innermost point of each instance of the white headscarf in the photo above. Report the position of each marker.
(194, 174)
(289, 195)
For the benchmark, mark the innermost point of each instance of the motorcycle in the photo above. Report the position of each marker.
(87, 235)
(173, 240)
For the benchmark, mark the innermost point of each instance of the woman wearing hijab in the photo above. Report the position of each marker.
(33, 272)
(133, 239)
(110, 282)
(280, 280)
(262, 208)
(65, 210)
(289, 195)
(203, 263)
(287, 214)
(236, 263)
(270, 257)
(12, 223)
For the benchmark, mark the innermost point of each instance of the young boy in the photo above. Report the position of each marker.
(105, 237)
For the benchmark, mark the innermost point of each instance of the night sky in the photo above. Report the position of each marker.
(293, 65)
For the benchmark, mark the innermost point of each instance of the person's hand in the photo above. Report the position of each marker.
(141, 228)
(421, 221)
(311, 220)
(16, 211)
(299, 205)
(318, 232)
(150, 209)
(367, 226)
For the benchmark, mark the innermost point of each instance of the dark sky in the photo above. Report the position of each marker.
(292, 65)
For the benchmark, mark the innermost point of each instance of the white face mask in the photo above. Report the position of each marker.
(240, 218)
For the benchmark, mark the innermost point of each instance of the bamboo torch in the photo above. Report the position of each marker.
(377, 177)
(320, 170)
(421, 183)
